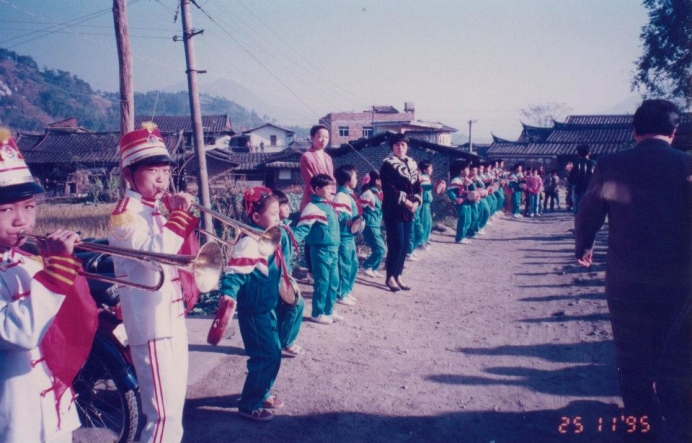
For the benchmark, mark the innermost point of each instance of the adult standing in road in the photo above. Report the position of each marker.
(646, 193)
(314, 161)
(402, 194)
(580, 175)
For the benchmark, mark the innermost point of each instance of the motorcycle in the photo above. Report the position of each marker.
(106, 388)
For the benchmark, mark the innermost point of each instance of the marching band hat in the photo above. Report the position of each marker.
(144, 146)
(16, 181)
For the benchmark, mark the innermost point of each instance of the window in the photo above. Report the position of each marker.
(367, 131)
(272, 140)
(343, 131)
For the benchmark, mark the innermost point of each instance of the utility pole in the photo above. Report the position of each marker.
(202, 178)
(127, 94)
(471, 122)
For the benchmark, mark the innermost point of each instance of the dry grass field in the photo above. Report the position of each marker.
(89, 220)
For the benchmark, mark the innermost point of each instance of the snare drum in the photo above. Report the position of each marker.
(289, 291)
(357, 225)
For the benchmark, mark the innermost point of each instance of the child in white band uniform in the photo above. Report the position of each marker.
(154, 320)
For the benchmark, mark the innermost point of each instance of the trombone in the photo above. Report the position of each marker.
(205, 266)
(267, 240)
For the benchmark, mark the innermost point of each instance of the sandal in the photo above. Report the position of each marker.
(260, 414)
(294, 350)
(272, 402)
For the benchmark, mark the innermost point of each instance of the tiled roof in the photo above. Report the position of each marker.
(253, 160)
(287, 131)
(56, 147)
(551, 149)
(66, 147)
(28, 141)
(533, 134)
(210, 123)
(599, 120)
(284, 165)
(582, 133)
(385, 109)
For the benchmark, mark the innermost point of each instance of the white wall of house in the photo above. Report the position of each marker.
(275, 140)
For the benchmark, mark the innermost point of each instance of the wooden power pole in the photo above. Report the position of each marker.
(202, 177)
(127, 94)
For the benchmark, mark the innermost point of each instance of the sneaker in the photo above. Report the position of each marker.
(369, 273)
(260, 414)
(411, 257)
(352, 297)
(346, 301)
(481, 232)
(273, 402)
(428, 246)
(336, 317)
(465, 241)
(323, 319)
(377, 274)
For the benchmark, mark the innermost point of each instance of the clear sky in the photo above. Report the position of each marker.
(456, 60)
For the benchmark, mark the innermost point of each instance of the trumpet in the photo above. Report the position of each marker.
(205, 266)
(267, 240)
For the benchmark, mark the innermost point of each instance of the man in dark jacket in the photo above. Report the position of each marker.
(646, 192)
(580, 175)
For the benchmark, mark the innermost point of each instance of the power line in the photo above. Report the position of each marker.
(276, 77)
(305, 60)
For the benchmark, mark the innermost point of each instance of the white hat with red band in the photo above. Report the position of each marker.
(145, 144)
(16, 180)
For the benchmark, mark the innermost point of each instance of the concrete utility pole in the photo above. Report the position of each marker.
(202, 177)
(471, 122)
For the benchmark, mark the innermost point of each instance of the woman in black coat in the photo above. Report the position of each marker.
(402, 194)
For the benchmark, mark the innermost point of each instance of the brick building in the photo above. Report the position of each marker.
(348, 126)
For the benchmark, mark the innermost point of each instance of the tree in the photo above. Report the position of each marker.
(543, 115)
(665, 67)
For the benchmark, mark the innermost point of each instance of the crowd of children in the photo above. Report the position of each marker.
(332, 215)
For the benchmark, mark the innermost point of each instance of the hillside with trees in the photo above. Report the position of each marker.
(32, 97)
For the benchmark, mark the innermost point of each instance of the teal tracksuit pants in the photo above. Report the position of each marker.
(500, 196)
(416, 232)
(474, 226)
(289, 319)
(261, 341)
(348, 266)
(325, 272)
(483, 213)
(426, 222)
(373, 238)
(464, 215)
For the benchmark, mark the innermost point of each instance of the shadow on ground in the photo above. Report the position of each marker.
(214, 420)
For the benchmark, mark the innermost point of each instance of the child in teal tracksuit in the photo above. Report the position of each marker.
(458, 191)
(289, 318)
(319, 227)
(349, 210)
(253, 280)
(426, 184)
(372, 214)
(517, 184)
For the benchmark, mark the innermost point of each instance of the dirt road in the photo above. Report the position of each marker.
(497, 342)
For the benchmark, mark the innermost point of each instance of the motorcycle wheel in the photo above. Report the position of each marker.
(108, 409)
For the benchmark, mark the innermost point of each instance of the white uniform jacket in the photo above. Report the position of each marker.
(138, 224)
(30, 297)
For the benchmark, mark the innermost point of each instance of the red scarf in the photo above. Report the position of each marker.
(68, 341)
